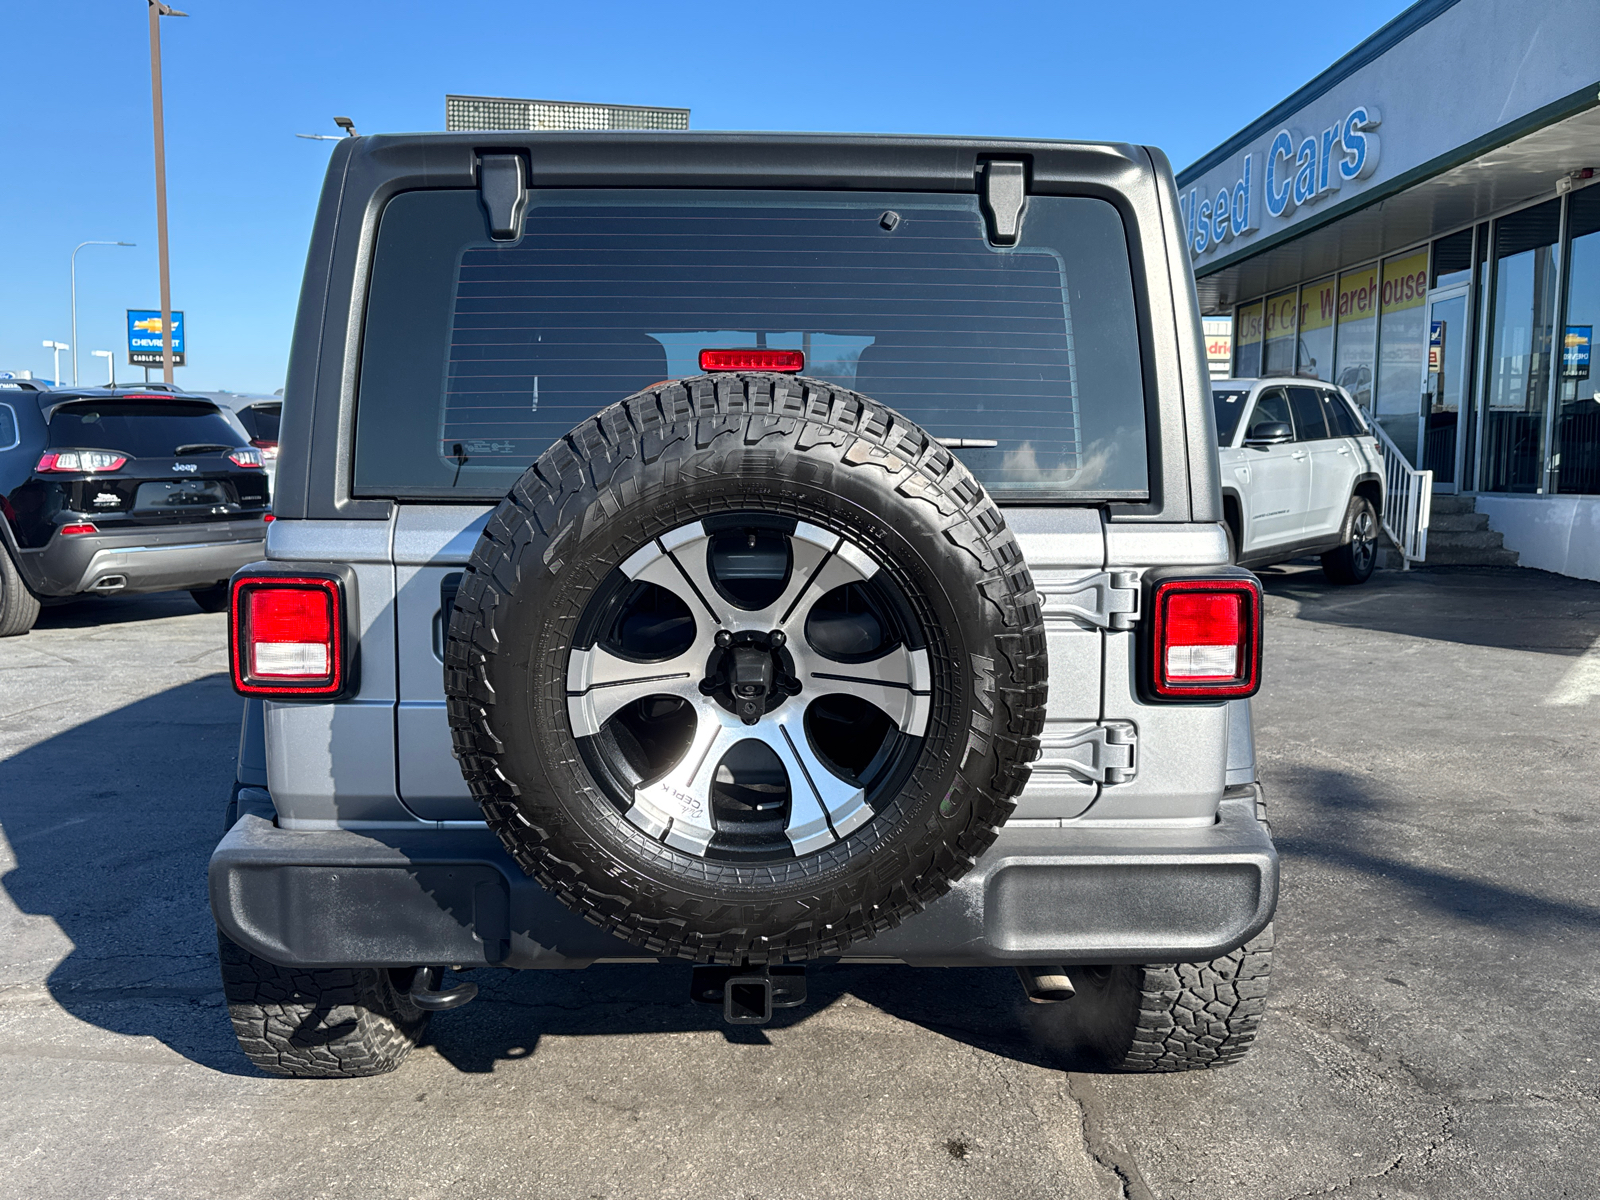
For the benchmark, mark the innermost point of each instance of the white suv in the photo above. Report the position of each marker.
(1301, 474)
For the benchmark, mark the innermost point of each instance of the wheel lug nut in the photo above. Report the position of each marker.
(778, 638)
(724, 638)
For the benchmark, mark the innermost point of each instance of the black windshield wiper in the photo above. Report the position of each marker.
(201, 447)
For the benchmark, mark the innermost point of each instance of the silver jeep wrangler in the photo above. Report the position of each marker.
(757, 550)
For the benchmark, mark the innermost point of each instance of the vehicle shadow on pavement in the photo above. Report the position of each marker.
(982, 1007)
(1339, 821)
(1514, 608)
(111, 824)
(92, 612)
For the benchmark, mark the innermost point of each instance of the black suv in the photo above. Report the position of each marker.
(111, 490)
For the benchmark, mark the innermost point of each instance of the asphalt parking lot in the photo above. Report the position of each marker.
(1428, 743)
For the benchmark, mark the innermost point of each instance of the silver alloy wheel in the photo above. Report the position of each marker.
(1363, 539)
(750, 674)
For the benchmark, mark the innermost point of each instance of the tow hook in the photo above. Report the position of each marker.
(1046, 985)
(748, 994)
(427, 995)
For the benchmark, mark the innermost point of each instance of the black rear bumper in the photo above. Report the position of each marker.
(150, 558)
(453, 897)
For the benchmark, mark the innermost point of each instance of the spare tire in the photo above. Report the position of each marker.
(746, 668)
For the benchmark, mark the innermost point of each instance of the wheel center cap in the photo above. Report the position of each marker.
(749, 674)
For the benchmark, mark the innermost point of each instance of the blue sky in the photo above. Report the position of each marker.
(244, 76)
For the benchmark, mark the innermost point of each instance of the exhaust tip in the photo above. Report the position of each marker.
(107, 584)
(1046, 985)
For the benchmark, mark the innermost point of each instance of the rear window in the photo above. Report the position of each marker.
(478, 355)
(1228, 404)
(140, 429)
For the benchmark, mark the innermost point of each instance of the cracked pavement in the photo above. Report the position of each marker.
(1430, 766)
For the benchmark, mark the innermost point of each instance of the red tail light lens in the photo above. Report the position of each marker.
(78, 530)
(1206, 639)
(286, 636)
(76, 462)
(752, 360)
(269, 450)
(246, 456)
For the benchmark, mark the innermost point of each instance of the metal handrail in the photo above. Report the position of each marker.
(1408, 499)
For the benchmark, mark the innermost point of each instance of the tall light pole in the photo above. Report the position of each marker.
(75, 250)
(157, 11)
(111, 365)
(58, 347)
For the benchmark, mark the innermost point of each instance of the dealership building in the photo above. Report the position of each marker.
(1421, 224)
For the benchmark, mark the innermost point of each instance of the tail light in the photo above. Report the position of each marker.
(1204, 638)
(78, 529)
(77, 462)
(269, 450)
(286, 635)
(752, 360)
(246, 456)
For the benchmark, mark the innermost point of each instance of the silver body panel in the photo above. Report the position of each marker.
(384, 757)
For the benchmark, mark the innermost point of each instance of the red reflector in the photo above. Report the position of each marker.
(268, 517)
(752, 360)
(285, 636)
(78, 530)
(1207, 639)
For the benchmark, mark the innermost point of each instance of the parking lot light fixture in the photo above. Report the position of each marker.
(57, 347)
(75, 250)
(111, 365)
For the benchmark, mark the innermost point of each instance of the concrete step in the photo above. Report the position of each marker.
(1452, 504)
(1453, 556)
(1474, 539)
(1453, 522)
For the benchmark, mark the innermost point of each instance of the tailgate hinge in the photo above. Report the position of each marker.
(503, 189)
(1108, 600)
(1105, 753)
(1005, 195)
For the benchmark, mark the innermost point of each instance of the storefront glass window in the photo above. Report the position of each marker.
(1278, 330)
(1452, 259)
(1247, 341)
(1358, 333)
(1578, 392)
(1317, 301)
(1518, 364)
(1402, 339)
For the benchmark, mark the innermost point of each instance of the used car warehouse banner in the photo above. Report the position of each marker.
(1401, 341)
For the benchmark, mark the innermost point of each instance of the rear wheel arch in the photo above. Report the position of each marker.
(1233, 517)
(1370, 487)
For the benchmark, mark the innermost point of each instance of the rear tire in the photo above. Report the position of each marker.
(1166, 1017)
(1353, 562)
(213, 598)
(19, 609)
(335, 1023)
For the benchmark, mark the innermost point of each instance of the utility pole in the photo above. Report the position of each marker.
(157, 11)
